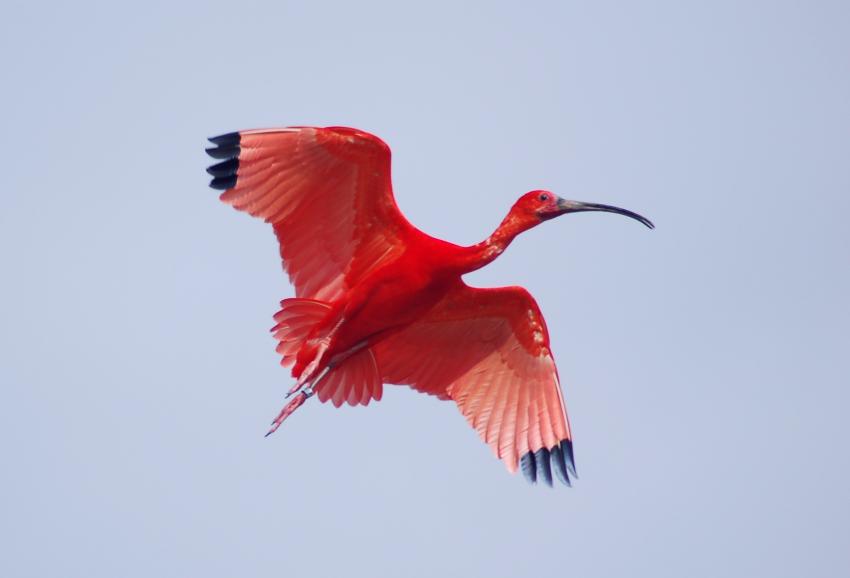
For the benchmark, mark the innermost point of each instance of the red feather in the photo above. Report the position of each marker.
(379, 301)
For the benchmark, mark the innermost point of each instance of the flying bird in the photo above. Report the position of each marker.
(380, 302)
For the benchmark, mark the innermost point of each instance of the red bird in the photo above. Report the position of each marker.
(379, 301)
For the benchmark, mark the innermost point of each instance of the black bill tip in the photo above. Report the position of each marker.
(566, 206)
(617, 210)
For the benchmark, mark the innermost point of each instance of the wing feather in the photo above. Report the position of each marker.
(488, 350)
(327, 193)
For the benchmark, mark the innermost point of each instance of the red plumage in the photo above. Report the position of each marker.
(379, 301)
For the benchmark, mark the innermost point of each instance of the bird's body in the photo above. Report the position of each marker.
(379, 301)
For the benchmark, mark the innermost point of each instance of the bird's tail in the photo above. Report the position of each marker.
(297, 321)
(353, 378)
(304, 332)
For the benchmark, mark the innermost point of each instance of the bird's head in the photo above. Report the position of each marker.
(537, 206)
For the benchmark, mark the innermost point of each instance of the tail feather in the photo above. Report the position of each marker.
(296, 320)
(356, 380)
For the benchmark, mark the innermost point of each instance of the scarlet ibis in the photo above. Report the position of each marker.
(379, 301)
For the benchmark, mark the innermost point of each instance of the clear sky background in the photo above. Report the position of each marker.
(705, 364)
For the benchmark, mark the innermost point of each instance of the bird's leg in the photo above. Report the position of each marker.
(309, 374)
(290, 408)
(293, 389)
(305, 393)
(306, 375)
(300, 383)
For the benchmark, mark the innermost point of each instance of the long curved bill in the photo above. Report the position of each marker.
(566, 206)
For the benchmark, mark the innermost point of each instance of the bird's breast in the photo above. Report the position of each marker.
(389, 302)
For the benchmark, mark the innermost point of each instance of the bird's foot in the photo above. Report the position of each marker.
(290, 408)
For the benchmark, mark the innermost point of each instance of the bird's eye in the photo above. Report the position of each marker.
(544, 197)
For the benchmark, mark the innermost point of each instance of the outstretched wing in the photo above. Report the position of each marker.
(327, 193)
(488, 350)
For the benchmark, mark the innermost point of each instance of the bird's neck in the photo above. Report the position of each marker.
(480, 254)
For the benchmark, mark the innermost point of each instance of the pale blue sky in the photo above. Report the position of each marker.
(705, 364)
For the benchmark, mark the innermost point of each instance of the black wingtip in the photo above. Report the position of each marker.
(231, 138)
(539, 465)
(227, 150)
(224, 169)
(560, 466)
(224, 152)
(569, 458)
(544, 469)
(529, 469)
(223, 183)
